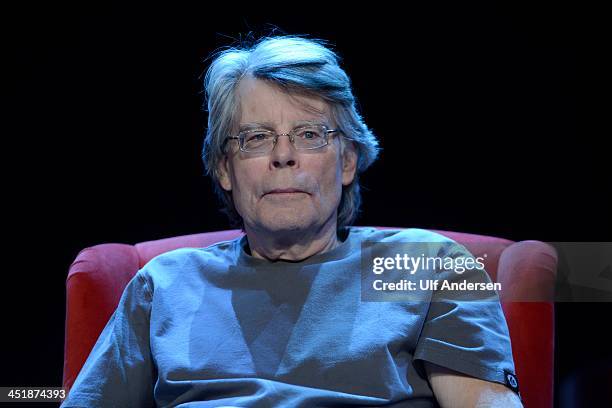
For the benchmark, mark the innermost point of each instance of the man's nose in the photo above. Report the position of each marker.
(284, 153)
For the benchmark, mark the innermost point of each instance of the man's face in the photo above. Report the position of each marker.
(286, 189)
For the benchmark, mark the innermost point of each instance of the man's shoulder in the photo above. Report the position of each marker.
(394, 234)
(184, 260)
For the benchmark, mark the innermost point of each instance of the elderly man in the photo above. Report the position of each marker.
(276, 318)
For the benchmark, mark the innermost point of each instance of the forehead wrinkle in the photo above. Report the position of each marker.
(307, 118)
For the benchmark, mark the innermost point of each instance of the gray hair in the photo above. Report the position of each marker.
(296, 65)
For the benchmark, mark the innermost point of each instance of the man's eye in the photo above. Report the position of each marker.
(256, 137)
(309, 134)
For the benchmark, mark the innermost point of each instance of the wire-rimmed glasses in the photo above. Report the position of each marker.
(307, 137)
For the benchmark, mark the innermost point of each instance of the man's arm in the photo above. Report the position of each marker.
(456, 390)
(119, 371)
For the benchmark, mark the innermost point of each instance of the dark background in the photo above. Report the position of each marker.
(477, 109)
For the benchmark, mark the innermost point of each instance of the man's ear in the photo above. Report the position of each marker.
(349, 163)
(224, 173)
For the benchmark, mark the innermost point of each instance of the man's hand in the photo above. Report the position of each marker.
(456, 390)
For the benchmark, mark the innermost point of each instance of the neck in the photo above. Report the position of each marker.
(295, 245)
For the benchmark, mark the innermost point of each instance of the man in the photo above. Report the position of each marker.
(275, 318)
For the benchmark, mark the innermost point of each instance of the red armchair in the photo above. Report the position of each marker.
(526, 270)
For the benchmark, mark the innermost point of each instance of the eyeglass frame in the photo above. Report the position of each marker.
(290, 135)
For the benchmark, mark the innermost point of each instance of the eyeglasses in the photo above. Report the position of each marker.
(303, 138)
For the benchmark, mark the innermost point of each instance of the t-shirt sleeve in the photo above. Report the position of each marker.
(119, 371)
(467, 331)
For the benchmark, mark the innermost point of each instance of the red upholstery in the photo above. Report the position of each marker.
(525, 269)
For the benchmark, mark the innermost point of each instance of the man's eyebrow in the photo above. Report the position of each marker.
(256, 125)
(270, 126)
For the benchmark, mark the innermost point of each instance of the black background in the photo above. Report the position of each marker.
(477, 109)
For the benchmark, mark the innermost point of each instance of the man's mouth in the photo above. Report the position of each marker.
(285, 191)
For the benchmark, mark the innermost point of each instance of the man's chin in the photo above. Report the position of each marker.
(285, 225)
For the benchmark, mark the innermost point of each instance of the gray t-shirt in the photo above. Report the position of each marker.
(216, 327)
